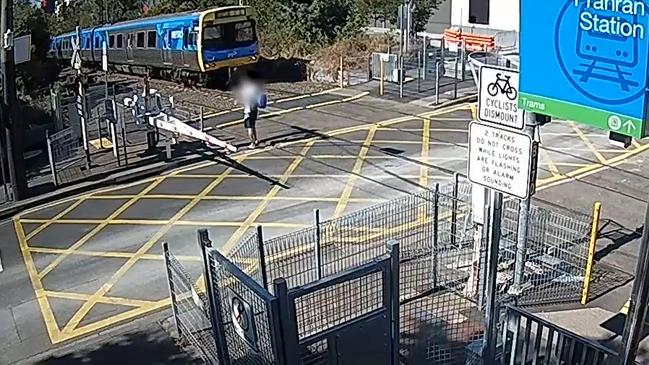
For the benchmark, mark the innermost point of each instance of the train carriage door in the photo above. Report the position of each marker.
(166, 47)
(130, 43)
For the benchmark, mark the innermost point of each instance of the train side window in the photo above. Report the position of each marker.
(120, 41)
(97, 43)
(192, 39)
(111, 41)
(151, 39)
(140, 40)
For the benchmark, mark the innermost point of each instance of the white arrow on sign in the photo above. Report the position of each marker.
(629, 126)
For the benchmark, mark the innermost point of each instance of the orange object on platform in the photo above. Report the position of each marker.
(472, 41)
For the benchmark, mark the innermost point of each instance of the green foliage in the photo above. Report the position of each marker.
(388, 10)
(32, 76)
(175, 6)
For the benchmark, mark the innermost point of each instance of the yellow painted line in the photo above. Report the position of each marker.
(46, 223)
(356, 170)
(264, 203)
(588, 144)
(106, 300)
(98, 228)
(625, 308)
(474, 111)
(122, 317)
(97, 143)
(44, 305)
(635, 143)
(108, 254)
(87, 306)
(590, 169)
(240, 224)
(553, 168)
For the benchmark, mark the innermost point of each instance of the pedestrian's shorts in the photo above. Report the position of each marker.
(250, 119)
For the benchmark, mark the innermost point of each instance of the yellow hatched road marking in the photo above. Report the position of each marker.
(48, 316)
(551, 165)
(356, 170)
(109, 254)
(87, 306)
(106, 300)
(98, 228)
(588, 143)
(264, 203)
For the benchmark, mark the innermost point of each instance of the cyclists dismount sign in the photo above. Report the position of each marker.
(498, 99)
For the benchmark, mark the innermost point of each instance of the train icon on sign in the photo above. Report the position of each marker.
(606, 54)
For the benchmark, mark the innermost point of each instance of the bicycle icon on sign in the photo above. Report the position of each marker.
(502, 84)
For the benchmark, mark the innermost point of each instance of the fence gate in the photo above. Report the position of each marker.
(348, 318)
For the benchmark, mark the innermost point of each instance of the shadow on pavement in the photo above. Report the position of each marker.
(135, 348)
(618, 235)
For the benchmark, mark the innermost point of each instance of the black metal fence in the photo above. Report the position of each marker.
(528, 339)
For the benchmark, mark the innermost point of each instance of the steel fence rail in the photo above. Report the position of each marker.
(189, 307)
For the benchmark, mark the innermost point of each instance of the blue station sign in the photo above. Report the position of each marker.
(586, 61)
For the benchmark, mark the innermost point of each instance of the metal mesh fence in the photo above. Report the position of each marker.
(442, 259)
(191, 310)
(226, 286)
(557, 252)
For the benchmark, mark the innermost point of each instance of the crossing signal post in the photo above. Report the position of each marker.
(12, 129)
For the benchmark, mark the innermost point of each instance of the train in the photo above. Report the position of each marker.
(180, 47)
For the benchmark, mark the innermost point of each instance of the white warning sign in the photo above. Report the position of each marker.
(498, 98)
(243, 320)
(502, 160)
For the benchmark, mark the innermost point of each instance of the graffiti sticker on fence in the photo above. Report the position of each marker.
(243, 320)
(498, 99)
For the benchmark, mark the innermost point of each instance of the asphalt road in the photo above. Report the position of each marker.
(82, 266)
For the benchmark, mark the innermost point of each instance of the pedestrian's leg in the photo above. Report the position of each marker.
(251, 135)
(254, 135)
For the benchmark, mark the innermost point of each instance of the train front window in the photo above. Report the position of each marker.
(229, 35)
(244, 32)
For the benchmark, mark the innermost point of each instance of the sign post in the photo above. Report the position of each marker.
(590, 66)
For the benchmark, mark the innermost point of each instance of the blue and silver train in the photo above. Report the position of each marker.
(175, 46)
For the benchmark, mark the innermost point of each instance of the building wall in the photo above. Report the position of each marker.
(503, 14)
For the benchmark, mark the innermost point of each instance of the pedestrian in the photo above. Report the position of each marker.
(250, 95)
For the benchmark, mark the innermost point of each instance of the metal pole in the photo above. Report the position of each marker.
(436, 82)
(592, 245)
(342, 73)
(418, 71)
(123, 127)
(491, 313)
(425, 57)
(83, 114)
(287, 318)
(401, 76)
(455, 84)
(262, 257)
(523, 222)
(13, 129)
(318, 247)
(435, 235)
(393, 248)
(170, 285)
(484, 240)
(463, 60)
(202, 119)
(456, 182)
(634, 325)
(50, 155)
(382, 77)
(214, 299)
